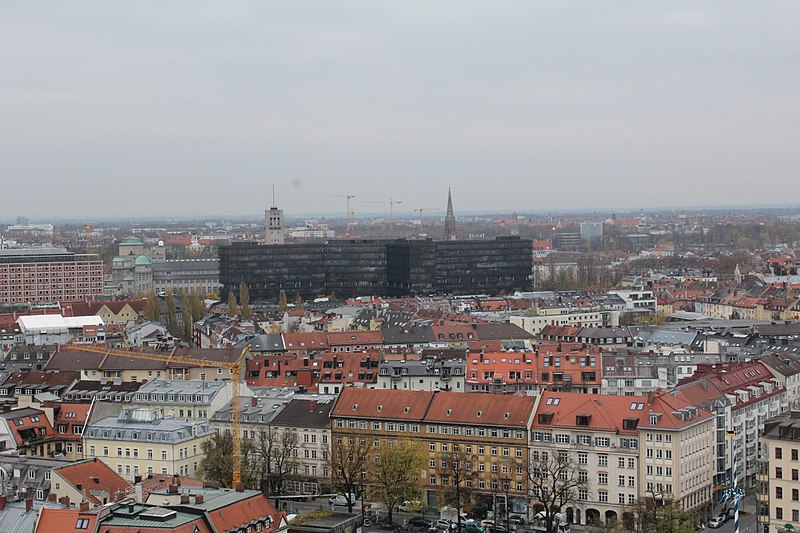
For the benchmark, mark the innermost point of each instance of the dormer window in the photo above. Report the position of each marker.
(654, 419)
(630, 423)
(582, 420)
(545, 418)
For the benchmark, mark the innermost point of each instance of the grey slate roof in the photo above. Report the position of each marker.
(142, 425)
(305, 414)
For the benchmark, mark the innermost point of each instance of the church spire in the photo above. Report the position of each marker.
(449, 219)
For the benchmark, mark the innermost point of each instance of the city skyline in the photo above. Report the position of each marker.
(536, 107)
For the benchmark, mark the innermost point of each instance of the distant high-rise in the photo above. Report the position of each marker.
(449, 219)
(273, 223)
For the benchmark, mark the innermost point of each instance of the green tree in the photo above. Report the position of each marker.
(172, 316)
(396, 472)
(298, 302)
(188, 316)
(198, 305)
(244, 299)
(348, 466)
(152, 306)
(283, 303)
(659, 515)
(232, 305)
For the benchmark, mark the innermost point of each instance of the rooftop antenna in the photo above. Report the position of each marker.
(273, 195)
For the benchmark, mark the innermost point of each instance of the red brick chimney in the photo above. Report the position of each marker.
(240, 487)
(28, 504)
(65, 501)
(3, 502)
(198, 499)
(184, 498)
(84, 505)
(253, 402)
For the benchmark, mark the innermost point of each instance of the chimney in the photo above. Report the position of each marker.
(84, 505)
(172, 489)
(51, 497)
(65, 501)
(119, 496)
(184, 498)
(79, 486)
(198, 499)
(253, 402)
(137, 479)
(3, 501)
(28, 504)
(312, 405)
(240, 487)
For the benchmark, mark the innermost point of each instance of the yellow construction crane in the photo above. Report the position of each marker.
(391, 203)
(235, 367)
(422, 210)
(349, 210)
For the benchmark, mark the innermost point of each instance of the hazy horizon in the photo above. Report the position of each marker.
(183, 110)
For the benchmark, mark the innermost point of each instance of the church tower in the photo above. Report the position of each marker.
(449, 219)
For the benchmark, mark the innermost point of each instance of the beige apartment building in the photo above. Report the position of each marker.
(779, 479)
(141, 442)
(626, 448)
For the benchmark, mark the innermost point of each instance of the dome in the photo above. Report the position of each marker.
(129, 277)
(118, 260)
(142, 260)
(131, 240)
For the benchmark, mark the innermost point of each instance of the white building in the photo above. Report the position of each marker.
(56, 329)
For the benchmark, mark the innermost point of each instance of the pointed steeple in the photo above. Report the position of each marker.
(449, 219)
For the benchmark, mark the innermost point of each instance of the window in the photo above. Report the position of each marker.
(779, 472)
(83, 523)
(603, 496)
(794, 454)
(778, 453)
(779, 493)
(621, 482)
(621, 462)
(602, 460)
(602, 478)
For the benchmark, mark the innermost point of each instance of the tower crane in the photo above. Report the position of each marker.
(235, 367)
(422, 210)
(349, 212)
(391, 203)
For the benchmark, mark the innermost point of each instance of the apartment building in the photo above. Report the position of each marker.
(186, 399)
(490, 433)
(779, 477)
(626, 448)
(140, 442)
(431, 373)
(46, 275)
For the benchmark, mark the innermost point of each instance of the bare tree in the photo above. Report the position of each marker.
(553, 481)
(461, 471)
(276, 449)
(348, 466)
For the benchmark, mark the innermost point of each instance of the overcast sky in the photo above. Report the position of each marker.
(190, 108)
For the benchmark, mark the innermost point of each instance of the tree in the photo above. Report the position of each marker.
(460, 469)
(283, 303)
(232, 306)
(658, 515)
(152, 306)
(198, 303)
(298, 302)
(275, 449)
(348, 466)
(553, 481)
(217, 462)
(188, 317)
(172, 316)
(396, 473)
(244, 299)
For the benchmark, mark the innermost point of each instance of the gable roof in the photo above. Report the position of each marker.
(95, 477)
(369, 403)
(482, 409)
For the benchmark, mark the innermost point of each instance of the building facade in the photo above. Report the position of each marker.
(46, 275)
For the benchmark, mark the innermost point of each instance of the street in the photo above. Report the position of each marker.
(747, 517)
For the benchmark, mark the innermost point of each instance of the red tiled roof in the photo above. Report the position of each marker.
(311, 340)
(491, 410)
(351, 338)
(64, 521)
(93, 475)
(395, 404)
(243, 512)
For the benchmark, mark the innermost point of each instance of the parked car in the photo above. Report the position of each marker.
(488, 523)
(473, 527)
(497, 528)
(444, 524)
(715, 522)
(422, 523)
(410, 506)
(731, 513)
(516, 520)
(341, 499)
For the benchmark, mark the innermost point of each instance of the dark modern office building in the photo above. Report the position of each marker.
(353, 267)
